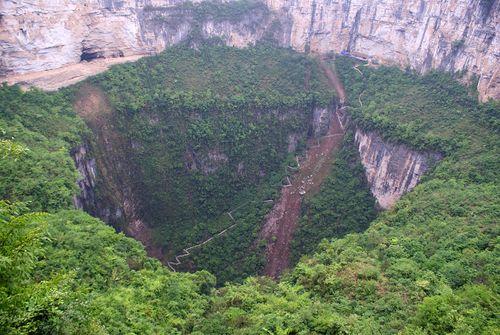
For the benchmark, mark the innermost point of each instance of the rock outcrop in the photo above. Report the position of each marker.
(47, 34)
(457, 35)
(391, 170)
(87, 169)
(321, 120)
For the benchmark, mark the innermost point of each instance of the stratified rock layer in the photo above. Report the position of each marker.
(391, 170)
(455, 35)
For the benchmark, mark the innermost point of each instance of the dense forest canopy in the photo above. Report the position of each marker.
(427, 266)
(206, 131)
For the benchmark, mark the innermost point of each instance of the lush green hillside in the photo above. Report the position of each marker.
(68, 273)
(46, 124)
(427, 266)
(207, 131)
(430, 112)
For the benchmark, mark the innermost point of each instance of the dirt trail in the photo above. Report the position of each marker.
(54, 79)
(333, 80)
(281, 222)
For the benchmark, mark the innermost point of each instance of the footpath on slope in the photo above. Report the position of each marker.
(282, 220)
(280, 223)
(51, 80)
(93, 107)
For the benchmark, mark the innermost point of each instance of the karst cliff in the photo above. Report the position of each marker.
(457, 36)
(391, 170)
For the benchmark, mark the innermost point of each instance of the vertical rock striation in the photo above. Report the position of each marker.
(86, 167)
(391, 170)
(47, 34)
(455, 35)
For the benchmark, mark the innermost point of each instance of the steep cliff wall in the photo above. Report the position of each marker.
(112, 210)
(120, 212)
(455, 35)
(87, 169)
(391, 170)
(47, 34)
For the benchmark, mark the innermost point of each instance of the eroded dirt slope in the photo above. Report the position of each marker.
(281, 222)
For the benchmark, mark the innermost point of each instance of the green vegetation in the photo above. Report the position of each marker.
(68, 273)
(217, 11)
(193, 17)
(430, 112)
(343, 205)
(43, 127)
(210, 129)
(427, 266)
(423, 267)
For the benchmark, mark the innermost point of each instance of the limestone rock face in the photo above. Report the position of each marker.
(86, 183)
(391, 170)
(47, 34)
(321, 120)
(453, 35)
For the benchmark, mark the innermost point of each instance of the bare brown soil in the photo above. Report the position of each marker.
(334, 81)
(54, 79)
(92, 105)
(281, 222)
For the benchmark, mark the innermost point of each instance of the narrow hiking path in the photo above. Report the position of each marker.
(53, 79)
(309, 174)
(92, 106)
(187, 251)
(281, 221)
(356, 67)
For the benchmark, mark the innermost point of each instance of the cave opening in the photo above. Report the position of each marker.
(88, 55)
